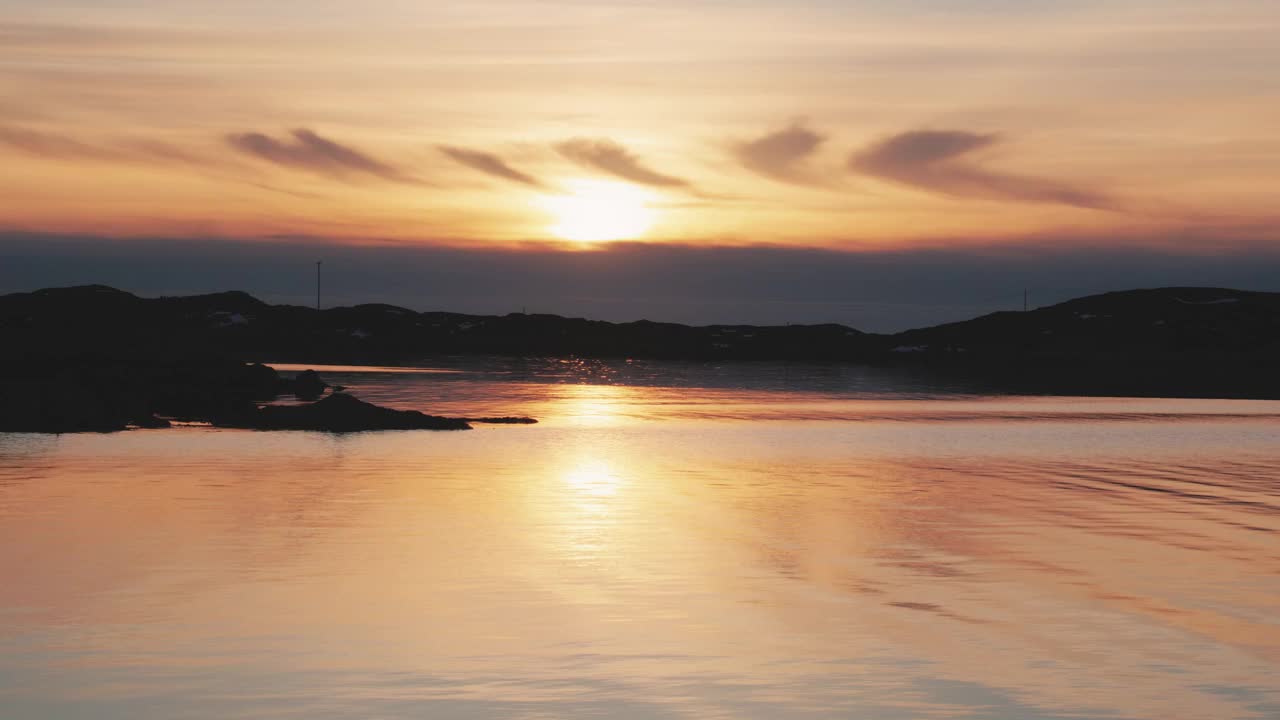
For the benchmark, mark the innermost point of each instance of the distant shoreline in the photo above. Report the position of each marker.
(1167, 342)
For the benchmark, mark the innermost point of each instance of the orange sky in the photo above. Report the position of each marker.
(813, 122)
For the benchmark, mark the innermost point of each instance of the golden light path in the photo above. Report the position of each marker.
(599, 211)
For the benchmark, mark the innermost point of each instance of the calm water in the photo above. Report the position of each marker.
(671, 541)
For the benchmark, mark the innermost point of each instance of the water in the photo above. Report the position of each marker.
(672, 541)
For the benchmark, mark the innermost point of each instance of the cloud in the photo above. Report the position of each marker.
(934, 160)
(489, 164)
(53, 145)
(60, 146)
(134, 151)
(309, 151)
(610, 157)
(781, 155)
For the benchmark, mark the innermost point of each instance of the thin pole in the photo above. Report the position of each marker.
(1024, 300)
(318, 263)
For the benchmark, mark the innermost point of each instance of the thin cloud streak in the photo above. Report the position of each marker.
(310, 151)
(935, 160)
(51, 145)
(489, 164)
(612, 158)
(66, 147)
(782, 155)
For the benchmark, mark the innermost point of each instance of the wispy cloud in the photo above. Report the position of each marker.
(133, 151)
(489, 164)
(609, 157)
(52, 145)
(61, 146)
(783, 155)
(307, 150)
(934, 160)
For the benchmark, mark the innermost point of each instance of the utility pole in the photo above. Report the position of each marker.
(318, 264)
(1024, 300)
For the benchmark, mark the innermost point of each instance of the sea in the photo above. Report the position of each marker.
(671, 540)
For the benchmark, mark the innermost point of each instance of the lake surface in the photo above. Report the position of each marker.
(671, 541)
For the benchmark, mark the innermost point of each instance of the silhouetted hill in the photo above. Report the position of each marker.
(1168, 341)
(1164, 320)
(95, 319)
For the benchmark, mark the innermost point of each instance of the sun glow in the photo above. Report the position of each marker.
(597, 211)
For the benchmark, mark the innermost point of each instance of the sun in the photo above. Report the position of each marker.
(598, 211)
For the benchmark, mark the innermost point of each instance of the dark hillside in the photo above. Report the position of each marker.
(1168, 341)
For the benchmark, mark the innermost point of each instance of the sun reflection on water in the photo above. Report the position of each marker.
(593, 479)
(593, 405)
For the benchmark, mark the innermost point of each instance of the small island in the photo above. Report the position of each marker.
(96, 359)
(219, 392)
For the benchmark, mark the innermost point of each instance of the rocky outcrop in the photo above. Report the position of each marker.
(68, 406)
(308, 385)
(341, 413)
(110, 397)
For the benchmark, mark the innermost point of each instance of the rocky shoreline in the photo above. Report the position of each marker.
(220, 392)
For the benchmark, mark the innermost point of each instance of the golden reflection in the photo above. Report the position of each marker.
(591, 490)
(587, 515)
(593, 479)
(593, 405)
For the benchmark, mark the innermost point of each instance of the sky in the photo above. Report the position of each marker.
(514, 137)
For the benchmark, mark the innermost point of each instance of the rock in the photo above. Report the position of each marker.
(201, 388)
(503, 421)
(342, 413)
(150, 422)
(68, 406)
(308, 385)
(262, 382)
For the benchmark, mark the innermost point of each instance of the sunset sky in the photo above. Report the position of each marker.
(907, 126)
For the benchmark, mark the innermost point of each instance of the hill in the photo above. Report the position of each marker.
(1203, 342)
(1169, 341)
